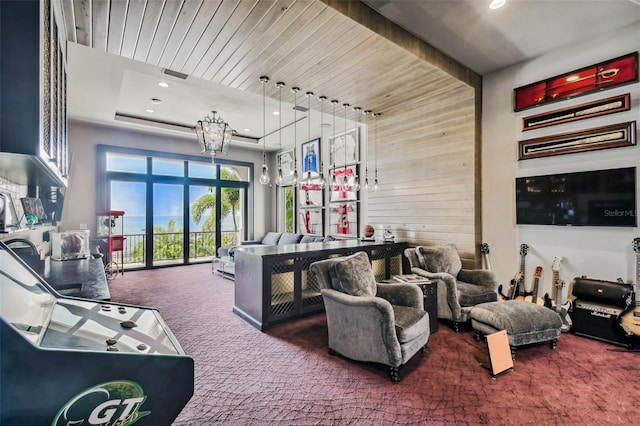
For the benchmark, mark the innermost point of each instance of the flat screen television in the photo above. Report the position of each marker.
(593, 198)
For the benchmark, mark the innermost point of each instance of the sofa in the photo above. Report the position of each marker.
(276, 239)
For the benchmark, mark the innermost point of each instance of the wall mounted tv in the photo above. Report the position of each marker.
(593, 198)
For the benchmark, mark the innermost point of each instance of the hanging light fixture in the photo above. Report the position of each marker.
(264, 176)
(366, 164)
(332, 148)
(321, 180)
(280, 178)
(214, 134)
(375, 182)
(295, 91)
(356, 179)
(309, 158)
(345, 181)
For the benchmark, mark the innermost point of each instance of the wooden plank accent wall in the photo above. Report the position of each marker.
(428, 150)
(427, 168)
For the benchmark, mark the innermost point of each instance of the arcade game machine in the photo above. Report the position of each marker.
(70, 361)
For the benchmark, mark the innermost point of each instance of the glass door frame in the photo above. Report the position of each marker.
(103, 192)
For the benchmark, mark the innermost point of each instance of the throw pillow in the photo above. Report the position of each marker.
(353, 275)
(288, 238)
(444, 258)
(271, 239)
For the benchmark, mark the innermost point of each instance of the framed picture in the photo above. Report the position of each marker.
(345, 148)
(286, 163)
(612, 136)
(311, 221)
(310, 158)
(578, 112)
(345, 188)
(33, 206)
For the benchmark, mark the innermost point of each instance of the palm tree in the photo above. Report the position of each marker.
(230, 204)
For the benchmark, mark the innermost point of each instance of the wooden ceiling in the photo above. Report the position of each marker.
(305, 43)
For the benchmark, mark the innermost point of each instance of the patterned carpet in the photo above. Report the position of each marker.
(286, 376)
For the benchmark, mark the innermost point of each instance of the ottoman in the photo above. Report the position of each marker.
(524, 322)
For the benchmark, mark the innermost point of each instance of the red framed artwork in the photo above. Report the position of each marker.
(604, 75)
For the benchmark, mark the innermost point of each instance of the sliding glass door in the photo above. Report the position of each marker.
(177, 210)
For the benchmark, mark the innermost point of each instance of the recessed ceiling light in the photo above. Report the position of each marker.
(163, 84)
(247, 130)
(149, 110)
(497, 4)
(156, 101)
(572, 78)
(276, 112)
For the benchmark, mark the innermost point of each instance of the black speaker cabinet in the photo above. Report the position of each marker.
(598, 321)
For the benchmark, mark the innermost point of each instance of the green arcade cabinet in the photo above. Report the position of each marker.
(71, 361)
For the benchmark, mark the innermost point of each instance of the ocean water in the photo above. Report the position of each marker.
(137, 225)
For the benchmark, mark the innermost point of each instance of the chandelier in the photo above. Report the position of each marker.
(214, 134)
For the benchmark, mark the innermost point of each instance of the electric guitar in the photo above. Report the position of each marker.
(484, 249)
(561, 307)
(517, 283)
(630, 319)
(534, 291)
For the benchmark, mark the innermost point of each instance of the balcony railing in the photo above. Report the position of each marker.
(169, 246)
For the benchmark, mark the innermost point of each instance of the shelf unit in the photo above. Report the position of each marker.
(344, 204)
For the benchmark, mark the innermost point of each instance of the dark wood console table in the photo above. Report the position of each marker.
(273, 283)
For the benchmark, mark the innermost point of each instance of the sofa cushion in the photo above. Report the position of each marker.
(444, 258)
(271, 238)
(288, 238)
(329, 238)
(311, 238)
(353, 275)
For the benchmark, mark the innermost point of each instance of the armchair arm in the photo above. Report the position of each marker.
(447, 292)
(480, 277)
(401, 294)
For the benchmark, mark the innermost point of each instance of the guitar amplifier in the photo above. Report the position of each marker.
(598, 321)
(604, 292)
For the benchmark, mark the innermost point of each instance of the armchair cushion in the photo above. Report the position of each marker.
(410, 322)
(353, 275)
(471, 294)
(444, 258)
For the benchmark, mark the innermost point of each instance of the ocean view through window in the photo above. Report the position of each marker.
(178, 209)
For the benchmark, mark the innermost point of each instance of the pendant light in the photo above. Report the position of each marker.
(334, 180)
(366, 164)
(356, 180)
(375, 182)
(264, 177)
(322, 181)
(309, 158)
(345, 181)
(295, 91)
(280, 178)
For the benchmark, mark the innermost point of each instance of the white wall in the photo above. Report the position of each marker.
(597, 252)
(80, 197)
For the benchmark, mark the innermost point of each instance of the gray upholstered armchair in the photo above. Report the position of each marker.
(458, 289)
(369, 321)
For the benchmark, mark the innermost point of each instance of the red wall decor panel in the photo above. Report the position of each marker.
(604, 75)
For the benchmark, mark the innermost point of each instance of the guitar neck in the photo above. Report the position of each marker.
(557, 284)
(637, 283)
